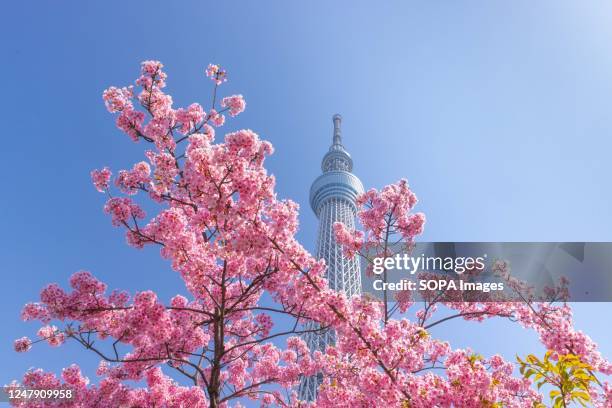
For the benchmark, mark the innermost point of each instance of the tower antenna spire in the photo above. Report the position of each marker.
(337, 133)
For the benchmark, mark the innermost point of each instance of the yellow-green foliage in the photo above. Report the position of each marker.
(570, 377)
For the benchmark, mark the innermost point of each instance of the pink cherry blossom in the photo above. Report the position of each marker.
(216, 74)
(234, 103)
(123, 210)
(190, 117)
(152, 75)
(22, 344)
(130, 181)
(130, 121)
(118, 99)
(52, 335)
(101, 179)
(216, 118)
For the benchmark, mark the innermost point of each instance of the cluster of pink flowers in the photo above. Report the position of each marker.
(164, 120)
(129, 181)
(52, 335)
(216, 118)
(130, 121)
(123, 210)
(165, 170)
(389, 210)
(190, 117)
(156, 102)
(152, 75)
(351, 241)
(22, 344)
(234, 103)
(118, 99)
(217, 74)
(101, 179)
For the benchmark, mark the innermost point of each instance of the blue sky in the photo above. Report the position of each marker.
(498, 114)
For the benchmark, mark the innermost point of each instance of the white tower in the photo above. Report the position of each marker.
(332, 198)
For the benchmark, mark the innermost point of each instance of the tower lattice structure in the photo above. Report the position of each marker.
(332, 198)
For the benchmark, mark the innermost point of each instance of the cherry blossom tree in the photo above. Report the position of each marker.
(400, 368)
(222, 228)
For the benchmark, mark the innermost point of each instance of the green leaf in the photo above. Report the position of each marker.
(581, 395)
(529, 373)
